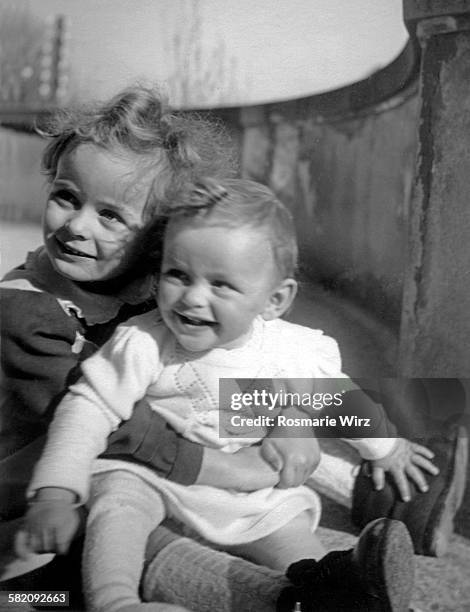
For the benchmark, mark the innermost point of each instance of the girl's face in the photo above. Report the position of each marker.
(94, 210)
(213, 284)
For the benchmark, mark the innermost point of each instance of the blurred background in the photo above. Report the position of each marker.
(205, 52)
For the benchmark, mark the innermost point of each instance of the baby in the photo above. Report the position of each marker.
(226, 278)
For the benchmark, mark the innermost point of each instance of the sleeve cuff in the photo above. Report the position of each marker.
(373, 448)
(188, 461)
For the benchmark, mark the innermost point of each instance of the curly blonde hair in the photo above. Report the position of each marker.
(137, 121)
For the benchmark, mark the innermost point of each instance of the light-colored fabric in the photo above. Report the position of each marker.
(144, 359)
(336, 473)
(227, 517)
(123, 512)
(113, 558)
(373, 448)
(205, 580)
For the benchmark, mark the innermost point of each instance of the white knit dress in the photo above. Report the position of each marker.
(143, 359)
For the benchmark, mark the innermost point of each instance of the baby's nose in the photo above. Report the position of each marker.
(195, 295)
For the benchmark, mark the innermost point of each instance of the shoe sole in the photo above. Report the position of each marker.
(390, 566)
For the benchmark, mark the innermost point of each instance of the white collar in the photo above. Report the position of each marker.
(221, 356)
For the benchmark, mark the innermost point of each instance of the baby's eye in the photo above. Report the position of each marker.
(176, 275)
(64, 197)
(223, 285)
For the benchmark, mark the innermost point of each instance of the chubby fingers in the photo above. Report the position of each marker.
(271, 455)
(297, 468)
(62, 539)
(422, 463)
(378, 478)
(289, 477)
(29, 542)
(421, 450)
(421, 457)
(401, 480)
(417, 477)
(22, 544)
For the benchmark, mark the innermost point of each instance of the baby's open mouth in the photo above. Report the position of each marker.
(71, 251)
(192, 321)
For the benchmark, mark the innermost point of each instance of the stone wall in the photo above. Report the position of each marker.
(346, 179)
(348, 183)
(436, 324)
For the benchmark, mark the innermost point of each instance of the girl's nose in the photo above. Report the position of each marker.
(78, 225)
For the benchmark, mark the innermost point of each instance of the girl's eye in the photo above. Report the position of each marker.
(111, 215)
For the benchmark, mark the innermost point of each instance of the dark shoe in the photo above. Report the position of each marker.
(375, 576)
(429, 516)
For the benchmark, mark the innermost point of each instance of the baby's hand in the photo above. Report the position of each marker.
(295, 458)
(49, 526)
(406, 461)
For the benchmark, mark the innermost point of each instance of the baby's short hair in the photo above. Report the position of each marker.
(237, 203)
(175, 147)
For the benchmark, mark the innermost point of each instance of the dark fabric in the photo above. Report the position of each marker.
(148, 439)
(37, 362)
(16, 471)
(63, 573)
(36, 347)
(428, 516)
(40, 359)
(361, 404)
(423, 408)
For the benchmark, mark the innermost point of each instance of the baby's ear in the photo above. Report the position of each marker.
(280, 299)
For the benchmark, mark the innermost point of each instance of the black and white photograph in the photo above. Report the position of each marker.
(234, 305)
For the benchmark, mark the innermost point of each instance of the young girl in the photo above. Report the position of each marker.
(226, 277)
(110, 170)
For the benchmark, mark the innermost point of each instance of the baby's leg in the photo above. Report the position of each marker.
(376, 575)
(292, 542)
(123, 512)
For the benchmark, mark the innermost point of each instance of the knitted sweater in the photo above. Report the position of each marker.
(143, 359)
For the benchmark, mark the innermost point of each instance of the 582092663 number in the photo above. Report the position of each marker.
(39, 598)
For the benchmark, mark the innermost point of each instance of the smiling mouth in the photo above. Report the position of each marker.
(70, 251)
(194, 322)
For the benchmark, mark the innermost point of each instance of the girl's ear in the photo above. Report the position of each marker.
(280, 299)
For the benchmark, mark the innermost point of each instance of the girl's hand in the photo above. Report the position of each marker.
(50, 523)
(244, 470)
(406, 461)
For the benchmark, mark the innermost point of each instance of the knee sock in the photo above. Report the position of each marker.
(123, 512)
(190, 574)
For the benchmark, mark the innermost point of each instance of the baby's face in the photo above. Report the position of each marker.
(94, 210)
(214, 282)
